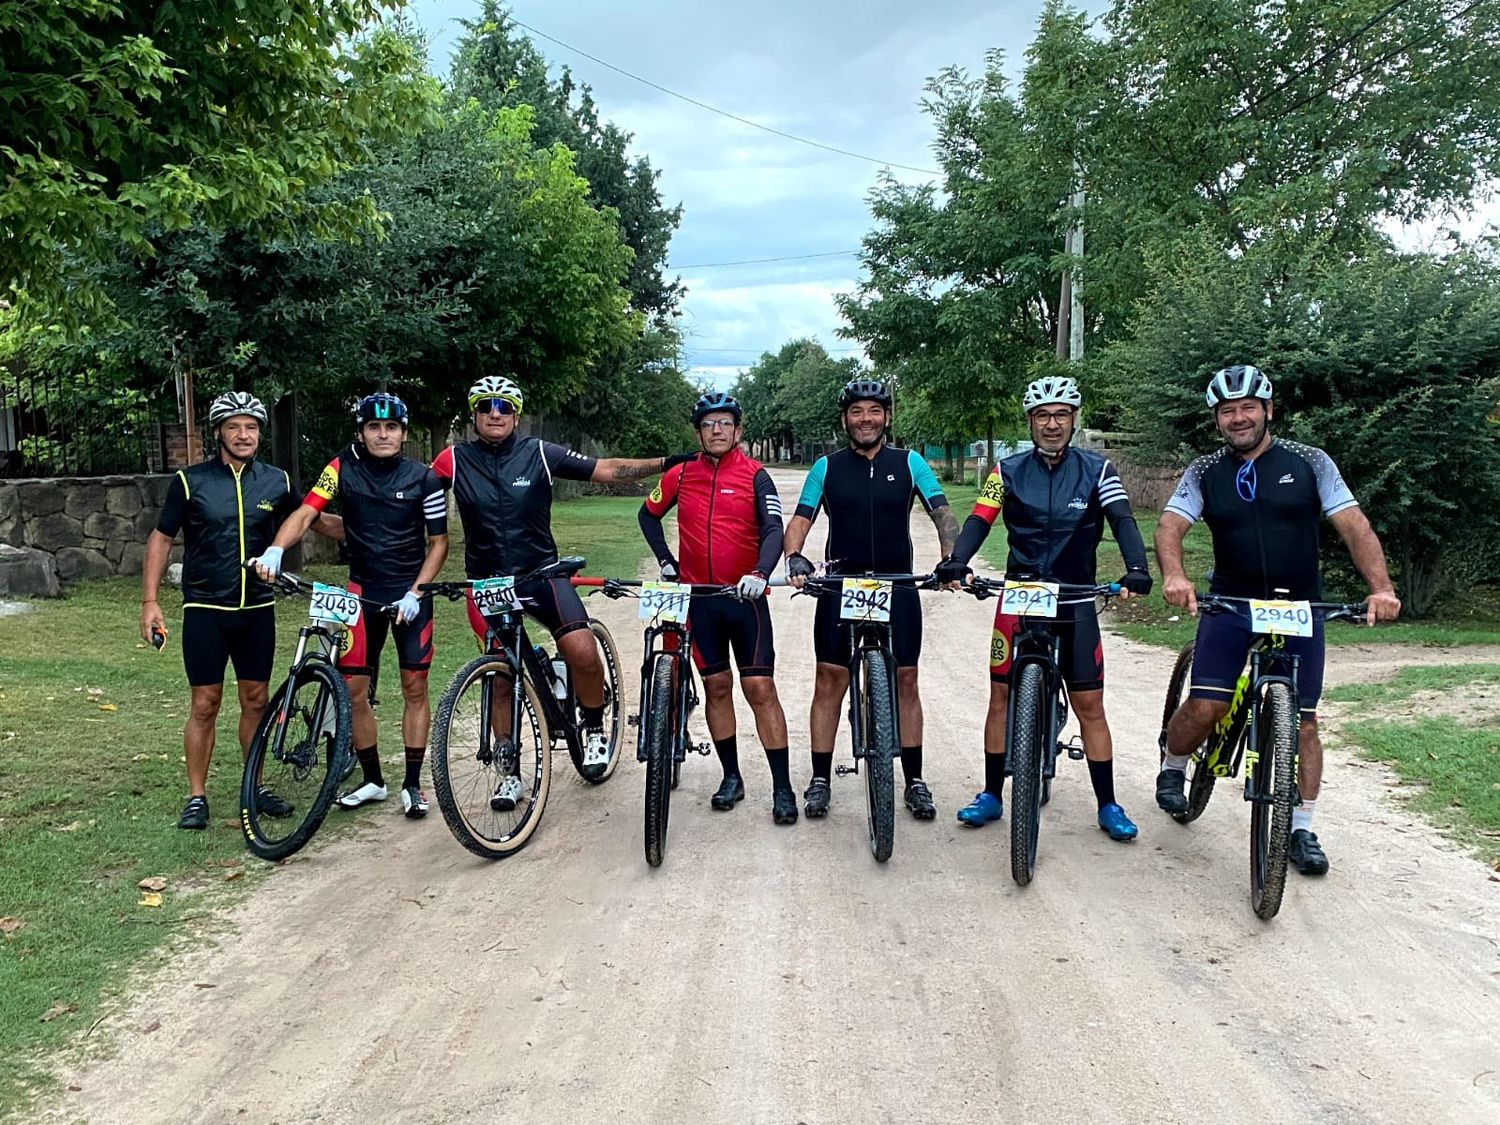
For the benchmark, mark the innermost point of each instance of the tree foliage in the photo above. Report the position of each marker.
(792, 395)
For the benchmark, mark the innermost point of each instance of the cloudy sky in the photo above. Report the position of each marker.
(846, 74)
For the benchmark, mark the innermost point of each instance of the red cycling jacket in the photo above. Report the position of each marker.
(728, 518)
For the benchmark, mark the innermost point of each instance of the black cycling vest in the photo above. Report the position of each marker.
(504, 495)
(229, 517)
(1053, 517)
(384, 524)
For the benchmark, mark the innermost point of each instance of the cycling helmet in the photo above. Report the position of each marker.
(856, 390)
(712, 402)
(380, 407)
(1239, 381)
(1051, 389)
(495, 386)
(231, 403)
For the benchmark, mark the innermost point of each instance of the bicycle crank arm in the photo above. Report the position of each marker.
(845, 771)
(704, 748)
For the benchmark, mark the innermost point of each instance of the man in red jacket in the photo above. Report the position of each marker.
(729, 533)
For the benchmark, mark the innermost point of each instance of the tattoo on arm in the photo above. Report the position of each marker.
(637, 470)
(947, 528)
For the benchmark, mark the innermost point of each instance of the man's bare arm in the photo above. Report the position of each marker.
(947, 528)
(622, 470)
(158, 548)
(1369, 557)
(1176, 587)
(795, 538)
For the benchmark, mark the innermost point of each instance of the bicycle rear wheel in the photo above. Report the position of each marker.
(1276, 779)
(658, 736)
(492, 790)
(1025, 736)
(880, 749)
(298, 762)
(1200, 778)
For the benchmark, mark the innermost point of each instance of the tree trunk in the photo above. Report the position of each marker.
(284, 442)
(1421, 581)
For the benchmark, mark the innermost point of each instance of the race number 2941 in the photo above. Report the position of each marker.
(1029, 599)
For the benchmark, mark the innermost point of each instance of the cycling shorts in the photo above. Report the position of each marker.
(721, 623)
(554, 603)
(1080, 648)
(1223, 646)
(364, 643)
(211, 638)
(833, 639)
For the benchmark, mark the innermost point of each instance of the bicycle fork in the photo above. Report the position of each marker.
(857, 733)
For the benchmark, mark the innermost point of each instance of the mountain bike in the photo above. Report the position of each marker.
(301, 751)
(669, 692)
(1037, 708)
(1260, 729)
(502, 715)
(874, 711)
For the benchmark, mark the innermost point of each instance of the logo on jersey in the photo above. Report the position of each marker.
(1078, 502)
(655, 496)
(520, 482)
(400, 496)
(266, 506)
(999, 648)
(328, 483)
(890, 476)
(1287, 478)
(993, 492)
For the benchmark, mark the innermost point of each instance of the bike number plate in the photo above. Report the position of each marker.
(664, 601)
(334, 604)
(1286, 619)
(865, 599)
(1029, 599)
(495, 595)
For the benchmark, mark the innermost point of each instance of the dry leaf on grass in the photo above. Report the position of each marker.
(9, 926)
(235, 874)
(59, 1008)
(154, 883)
(150, 898)
(108, 707)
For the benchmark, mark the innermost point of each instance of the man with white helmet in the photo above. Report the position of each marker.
(1263, 499)
(1054, 500)
(502, 482)
(228, 508)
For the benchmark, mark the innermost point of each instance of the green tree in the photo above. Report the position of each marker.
(792, 395)
(124, 120)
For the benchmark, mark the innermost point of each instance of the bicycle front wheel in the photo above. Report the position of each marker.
(1200, 777)
(1275, 791)
(657, 735)
(1025, 737)
(294, 766)
(490, 783)
(879, 714)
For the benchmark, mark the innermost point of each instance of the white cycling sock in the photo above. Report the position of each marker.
(1302, 816)
(1176, 762)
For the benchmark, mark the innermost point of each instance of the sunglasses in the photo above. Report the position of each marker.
(494, 406)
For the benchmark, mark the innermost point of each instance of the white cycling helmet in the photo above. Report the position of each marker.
(496, 386)
(233, 403)
(1239, 381)
(1052, 388)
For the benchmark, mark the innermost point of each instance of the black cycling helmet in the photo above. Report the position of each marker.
(711, 402)
(855, 390)
(379, 407)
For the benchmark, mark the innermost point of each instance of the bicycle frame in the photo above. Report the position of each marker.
(868, 636)
(507, 637)
(676, 642)
(1231, 741)
(1037, 644)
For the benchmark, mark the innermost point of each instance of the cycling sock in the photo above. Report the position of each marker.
(729, 755)
(911, 762)
(822, 763)
(1102, 774)
(1174, 762)
(1302, 816)
(593, 717)
(414, 756)
(369, 761)
(994, 774)
(781, 768)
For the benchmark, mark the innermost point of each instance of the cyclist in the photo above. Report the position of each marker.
(227, 508)
(729, 532)
(866, 489)
(1262, 498)
(502, 482)
(396, 533)
(1054, 500)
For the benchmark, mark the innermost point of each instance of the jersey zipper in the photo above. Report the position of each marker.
(713, 494)
(239, 495)
(870, 515)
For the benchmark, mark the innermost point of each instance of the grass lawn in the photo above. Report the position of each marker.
(1451, 766)
(82, 822)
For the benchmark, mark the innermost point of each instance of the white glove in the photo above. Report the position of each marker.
(751, 586)
(407, 608)
(268, 565)
(669, 572)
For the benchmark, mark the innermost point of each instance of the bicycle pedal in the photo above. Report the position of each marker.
(632, 720)
(704, 748)
(1076, 753)
(845, 771)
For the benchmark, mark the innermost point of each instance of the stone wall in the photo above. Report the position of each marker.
(93, 526)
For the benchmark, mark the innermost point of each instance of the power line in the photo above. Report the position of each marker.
(722, 112)
(765, 261)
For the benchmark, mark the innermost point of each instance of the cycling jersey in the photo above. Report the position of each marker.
(227, 514)
(1054, 515)
(504, 494)
(387, 504)
(1264, 516)
(868, 501)
(728, 518)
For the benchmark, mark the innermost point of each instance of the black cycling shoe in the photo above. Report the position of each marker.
(784, 806)
(1170, 797)
(816, 795)
(919, 799)
(194, 814)
(731, 791)
(270, 804)
(1306, 854)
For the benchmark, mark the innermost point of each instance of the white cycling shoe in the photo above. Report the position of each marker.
(595, 750)
(369, 791)
(507, 793)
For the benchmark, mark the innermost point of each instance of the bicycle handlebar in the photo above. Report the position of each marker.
(983, 588)
(1332, 611)
(620, 587)
(288, 583)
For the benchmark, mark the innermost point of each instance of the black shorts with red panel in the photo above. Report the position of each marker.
(1080, 649)
(364, 643)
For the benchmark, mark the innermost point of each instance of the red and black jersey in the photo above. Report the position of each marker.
(728, 518)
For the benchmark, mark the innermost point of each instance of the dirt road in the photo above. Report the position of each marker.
(768, 974)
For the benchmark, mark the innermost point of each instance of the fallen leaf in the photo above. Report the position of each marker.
(9, 926)
(59, 1008)
(75, 1089)
(150, 898)
(154, 883)
(95, 692)
(74, 827)
(154, 1025)
(139, 757)
(205, 986)
(230, 875)
(108, 707)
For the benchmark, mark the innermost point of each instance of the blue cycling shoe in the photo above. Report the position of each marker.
(984, 808)
(1113, 820)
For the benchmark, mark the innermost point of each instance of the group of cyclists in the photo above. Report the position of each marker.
(1262, 497)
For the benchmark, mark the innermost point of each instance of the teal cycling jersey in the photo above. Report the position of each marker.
(868, 501)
